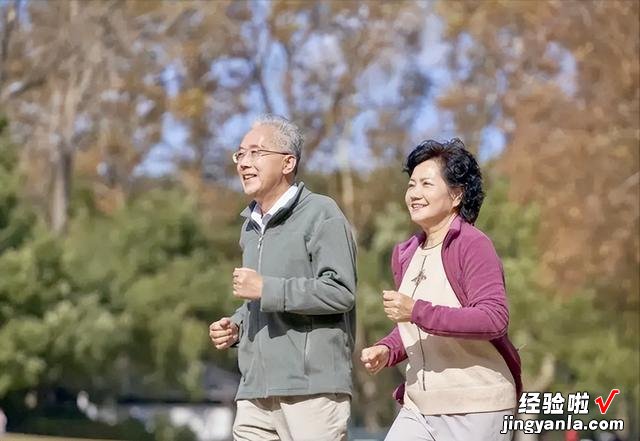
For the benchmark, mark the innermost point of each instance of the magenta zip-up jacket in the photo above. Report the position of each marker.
(475, 274)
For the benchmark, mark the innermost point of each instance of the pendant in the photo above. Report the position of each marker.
(420, 277)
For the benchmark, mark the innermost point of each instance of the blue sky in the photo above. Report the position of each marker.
(379, 85)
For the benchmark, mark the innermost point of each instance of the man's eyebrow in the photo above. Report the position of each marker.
(250, 146)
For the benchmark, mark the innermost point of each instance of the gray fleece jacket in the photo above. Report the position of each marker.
(298, 338)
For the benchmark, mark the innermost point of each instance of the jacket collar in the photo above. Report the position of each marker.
(283, 212)
(409, 246)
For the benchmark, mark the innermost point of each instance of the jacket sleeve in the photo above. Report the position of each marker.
(333, 287)
(393, 341)
(486, 316)
(239, 316)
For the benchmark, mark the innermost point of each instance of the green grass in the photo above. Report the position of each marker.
(19, 437)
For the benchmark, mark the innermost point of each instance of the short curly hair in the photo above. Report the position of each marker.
(459, 169)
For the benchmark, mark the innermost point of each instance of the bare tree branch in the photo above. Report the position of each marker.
(10, 17)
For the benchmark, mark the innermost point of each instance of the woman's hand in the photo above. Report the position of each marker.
(397, 306)
(375, 358)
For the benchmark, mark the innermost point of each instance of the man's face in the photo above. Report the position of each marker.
(263, 173)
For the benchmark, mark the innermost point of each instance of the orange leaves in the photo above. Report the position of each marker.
(190, 103)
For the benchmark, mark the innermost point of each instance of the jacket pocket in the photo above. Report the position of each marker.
(246, 360)
(289, 361)
(247, 346)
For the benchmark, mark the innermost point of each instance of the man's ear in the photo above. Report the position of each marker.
(290, 163)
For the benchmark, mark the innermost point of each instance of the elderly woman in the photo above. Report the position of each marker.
(463, 373)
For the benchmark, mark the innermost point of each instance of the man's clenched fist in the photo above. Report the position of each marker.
(247, 284)
(223, 333)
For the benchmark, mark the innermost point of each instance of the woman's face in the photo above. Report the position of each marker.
(428, 198)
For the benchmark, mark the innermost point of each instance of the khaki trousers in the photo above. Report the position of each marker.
(321, 417)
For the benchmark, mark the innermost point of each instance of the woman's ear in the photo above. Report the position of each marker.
(457, 194)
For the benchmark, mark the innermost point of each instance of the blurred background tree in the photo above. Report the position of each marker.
(119, 205)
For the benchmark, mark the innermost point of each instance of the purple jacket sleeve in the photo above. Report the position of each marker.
(393, 340)
(486, 315)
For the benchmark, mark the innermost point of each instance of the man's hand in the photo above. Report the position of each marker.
(397, 306)
(247, 284)
(223, 333)
(375, 358)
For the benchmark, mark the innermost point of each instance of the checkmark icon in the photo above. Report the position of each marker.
(605, 406)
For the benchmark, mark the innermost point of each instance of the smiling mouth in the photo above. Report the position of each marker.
(248, 176)
(415, 207)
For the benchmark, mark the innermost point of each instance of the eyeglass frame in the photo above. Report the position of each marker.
(236, 160)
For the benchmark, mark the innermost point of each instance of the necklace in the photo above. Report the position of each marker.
(432, 246)
(417, 280)
(420, 277)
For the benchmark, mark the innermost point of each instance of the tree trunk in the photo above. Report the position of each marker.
(346, 175)
(366, 384)
(538, 384)
(61, 190)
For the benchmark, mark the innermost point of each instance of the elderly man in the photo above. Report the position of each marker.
(295, 331)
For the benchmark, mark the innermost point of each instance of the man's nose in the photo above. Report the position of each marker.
(244, 162)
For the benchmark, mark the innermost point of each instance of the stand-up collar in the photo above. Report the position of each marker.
(282, 212)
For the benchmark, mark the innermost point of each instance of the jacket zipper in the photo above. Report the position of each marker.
(306, 353)
(260, 239)
(260, 251)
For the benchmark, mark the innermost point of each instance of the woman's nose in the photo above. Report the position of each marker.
(413, 196)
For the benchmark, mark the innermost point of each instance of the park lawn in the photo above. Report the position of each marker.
(21, 437)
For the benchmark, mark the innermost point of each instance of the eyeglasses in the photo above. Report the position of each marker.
(254, 154)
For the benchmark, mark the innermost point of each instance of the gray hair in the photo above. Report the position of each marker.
(288, 136)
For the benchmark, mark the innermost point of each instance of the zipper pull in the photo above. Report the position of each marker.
(260, 241)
